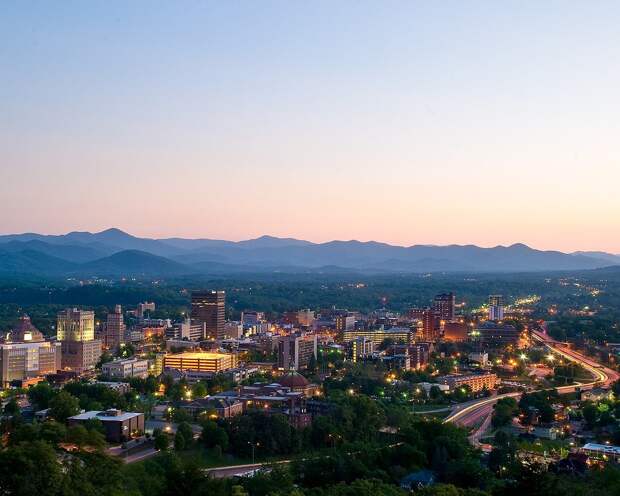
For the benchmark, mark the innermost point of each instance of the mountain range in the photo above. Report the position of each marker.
(116, 253)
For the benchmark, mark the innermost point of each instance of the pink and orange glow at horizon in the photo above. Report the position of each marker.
(407, 124)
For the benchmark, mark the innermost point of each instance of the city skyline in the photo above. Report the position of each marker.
(309, 248)
(401, 123)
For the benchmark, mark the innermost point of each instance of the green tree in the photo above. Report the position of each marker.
(504, 411)
(160, 440)
(12, 407)
(53, 432)
(590, 413)
(199, 390)
(214, 435)
(77, 434)
(29, 469)
(63, 406)
(40, 395)
(185, 430)
(179, 442)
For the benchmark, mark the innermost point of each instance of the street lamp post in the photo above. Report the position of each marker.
(254, 445)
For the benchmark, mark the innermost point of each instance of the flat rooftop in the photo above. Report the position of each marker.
(602, 447)
(101, 415)
(202, 355)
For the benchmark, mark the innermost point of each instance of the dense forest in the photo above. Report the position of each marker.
(597, 290)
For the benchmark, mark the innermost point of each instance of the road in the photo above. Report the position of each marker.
(240, 470)
(249, 468)
(473, 412)
(604, 376)
(478, 411)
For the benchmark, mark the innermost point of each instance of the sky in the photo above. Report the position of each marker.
(406, 122)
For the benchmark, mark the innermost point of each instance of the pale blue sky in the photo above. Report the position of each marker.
(406, 122)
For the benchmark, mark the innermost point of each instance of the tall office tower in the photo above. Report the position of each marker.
(210, 307)
(443, 306)
(296, 350)
(496, 307)
(429, 322)
(75, 325)
(115, 328)
(75, 330)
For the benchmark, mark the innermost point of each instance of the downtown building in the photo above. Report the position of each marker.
(496, 307)
(344, 321)
(127, 367)
(296, 351)
(396, 335)
(75, 330)
(26, 355)
(361, 348)
(114, 334)
(210, 307)
(444, 307)
(475, 382)
(200, 361)
(188, 330)
(492, 333)
(407, 357)
(427, 323)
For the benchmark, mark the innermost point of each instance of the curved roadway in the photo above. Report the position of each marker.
(474, 412)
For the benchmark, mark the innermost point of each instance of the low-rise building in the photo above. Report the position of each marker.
(119, 426)
(479, 357)
(603, 452)
(476, 382)
(273, 398)
(232, 330)
(120, 387)
(597, 394)
(126, 367)
(415, 355)
(496, 334)
(455, 331)
(189, 329)
(215, 408)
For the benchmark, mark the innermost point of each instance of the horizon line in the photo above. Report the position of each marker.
(292, 238)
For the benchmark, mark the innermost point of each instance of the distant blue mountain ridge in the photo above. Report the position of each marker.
(114, 252)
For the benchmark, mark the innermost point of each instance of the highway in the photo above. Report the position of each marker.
(477, 412)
